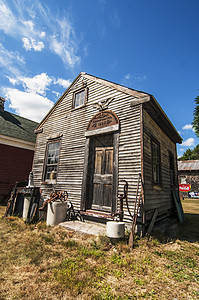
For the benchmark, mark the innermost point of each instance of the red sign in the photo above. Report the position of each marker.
(184, 187)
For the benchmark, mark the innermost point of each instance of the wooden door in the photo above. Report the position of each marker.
(103, 179)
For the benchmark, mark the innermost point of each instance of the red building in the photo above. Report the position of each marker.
(17, 142)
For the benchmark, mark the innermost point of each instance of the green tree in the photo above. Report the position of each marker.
(195, 152)
(195, 122)
(187, 155)
(190, 154)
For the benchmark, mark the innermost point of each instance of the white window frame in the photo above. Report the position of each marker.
(52, 178)
(84, 98)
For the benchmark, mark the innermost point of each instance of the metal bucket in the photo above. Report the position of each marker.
(115, 229)
(56, 213)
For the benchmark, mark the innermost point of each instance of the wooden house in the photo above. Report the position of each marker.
(17, 144)
(99, 134)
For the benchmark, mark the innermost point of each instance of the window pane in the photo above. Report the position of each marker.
(155, 173)
(51, 172)
(79, 98)
(52, 160)
(155, 153)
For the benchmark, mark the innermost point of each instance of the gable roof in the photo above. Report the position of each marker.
(149, 103)
(188, 165)
(17, 127)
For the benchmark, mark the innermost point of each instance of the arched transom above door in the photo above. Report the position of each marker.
(103, 122)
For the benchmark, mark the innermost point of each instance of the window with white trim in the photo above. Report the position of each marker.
(51, 162)
(79, 98)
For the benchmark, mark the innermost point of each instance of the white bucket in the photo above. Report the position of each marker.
(56, 213)
(115, 229)
(26, 206)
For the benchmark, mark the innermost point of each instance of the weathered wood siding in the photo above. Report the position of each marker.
(157, 196)
(72, 124)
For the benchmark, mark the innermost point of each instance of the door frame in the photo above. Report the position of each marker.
(84, 193)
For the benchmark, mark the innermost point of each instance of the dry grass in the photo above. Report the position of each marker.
(38, 262)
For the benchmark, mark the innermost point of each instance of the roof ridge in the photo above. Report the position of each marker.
(115, 85)
(84, 73)
(21, 117)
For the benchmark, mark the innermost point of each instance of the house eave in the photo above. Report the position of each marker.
(153, 108)
(10, 141)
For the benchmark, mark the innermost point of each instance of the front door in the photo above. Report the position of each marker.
(103, 179)
(100, 180)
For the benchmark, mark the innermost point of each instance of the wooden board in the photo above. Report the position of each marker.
(178, 205)
(152, 221)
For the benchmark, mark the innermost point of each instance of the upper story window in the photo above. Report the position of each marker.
(79, 97)
(51, 162)
(156, 161)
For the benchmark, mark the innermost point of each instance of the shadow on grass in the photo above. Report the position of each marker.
(189, 230)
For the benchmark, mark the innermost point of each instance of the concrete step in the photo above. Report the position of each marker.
(85, 227)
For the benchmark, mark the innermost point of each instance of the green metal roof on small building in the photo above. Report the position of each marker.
(17, 127)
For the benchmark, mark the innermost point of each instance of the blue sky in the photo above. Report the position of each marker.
(150, 46)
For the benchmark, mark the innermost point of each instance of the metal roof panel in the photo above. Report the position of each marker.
(188, 165)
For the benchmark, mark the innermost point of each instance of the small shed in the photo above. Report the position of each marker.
(188, 173)
(100, 134)
(17, 143)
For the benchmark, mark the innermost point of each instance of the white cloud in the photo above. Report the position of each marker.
(29, 44)
(42, 34)
(37, 84)
(66, 53)
(16, 24)
(28, 105)
(57, 94)
(132, 79)
(8, 20)
(127, 76)
(63, 41)
(12, 80)
(189, 142)
(25, 23)
(29, 25)
(10, 61)
(63, 82)
(187, 127)
(139, 78)
(32, 103)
